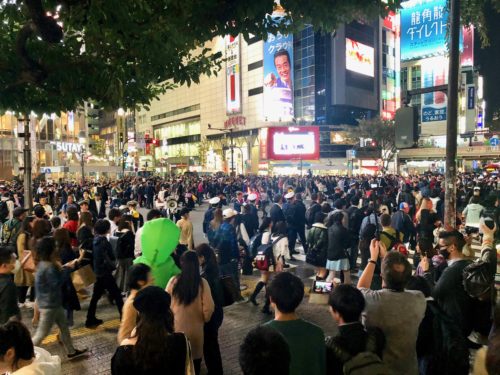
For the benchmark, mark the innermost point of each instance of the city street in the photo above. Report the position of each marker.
(238, 320)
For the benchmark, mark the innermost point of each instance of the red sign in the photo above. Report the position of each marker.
(294, 142)
(389, 21)
(236, 120)
(467, 55)
(263, 143)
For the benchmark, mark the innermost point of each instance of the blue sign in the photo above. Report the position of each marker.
(423, 28)
(471, 97)
(433, 114)
(480, 121)
(494, 141)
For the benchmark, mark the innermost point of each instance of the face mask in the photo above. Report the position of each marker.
(445, 253)
(17, 266)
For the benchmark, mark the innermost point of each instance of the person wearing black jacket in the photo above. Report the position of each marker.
(300, 212)
(276, 212)
(314, 208)
(104, 265)
(8, 291)
(338, 243)
(210, 272)
(356, 217)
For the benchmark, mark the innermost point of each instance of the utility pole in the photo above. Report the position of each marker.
(452, 120)
(28, 184)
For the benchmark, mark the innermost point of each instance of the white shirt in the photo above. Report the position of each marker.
(280, 248)
(43, 364)
(137, 243)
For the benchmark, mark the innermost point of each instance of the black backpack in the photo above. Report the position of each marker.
(451, 354)
(4, 211)
(255, 242)
(478, 278)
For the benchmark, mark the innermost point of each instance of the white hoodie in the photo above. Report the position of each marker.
(44, 364)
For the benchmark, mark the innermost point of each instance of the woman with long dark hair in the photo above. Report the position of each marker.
(210, 272)
(25, 279)
(85, 237)
(153, 347)
(192, 303)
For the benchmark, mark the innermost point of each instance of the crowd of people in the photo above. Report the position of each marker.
(408, 295)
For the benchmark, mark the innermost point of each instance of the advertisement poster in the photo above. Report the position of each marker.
(423, 28)
(359, 58)
(467, 55)
(288, 143)
(233, 75)
(278, 78)
(434, 73)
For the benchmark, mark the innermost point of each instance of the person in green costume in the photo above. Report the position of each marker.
(158, 241)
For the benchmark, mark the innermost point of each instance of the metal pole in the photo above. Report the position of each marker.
(452, 120)
(232, 151)
(28, 185)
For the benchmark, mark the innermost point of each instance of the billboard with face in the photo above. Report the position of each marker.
(288, 143)
(278, 77)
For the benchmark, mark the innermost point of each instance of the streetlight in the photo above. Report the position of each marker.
(230, 131)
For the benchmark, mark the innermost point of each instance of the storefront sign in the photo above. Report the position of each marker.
(263, 143)
(68, 147)
(234, 121)
(233, 74)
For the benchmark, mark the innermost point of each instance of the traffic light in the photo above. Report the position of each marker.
(373, 144)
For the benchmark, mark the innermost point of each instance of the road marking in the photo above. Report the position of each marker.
(84, 331)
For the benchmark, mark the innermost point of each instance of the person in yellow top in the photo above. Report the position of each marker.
(186, 227)
(388, 234)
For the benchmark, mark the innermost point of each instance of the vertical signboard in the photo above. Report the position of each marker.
(278, 77)
(434, 73)
(233, 74)
(423, 28)
(467, 55)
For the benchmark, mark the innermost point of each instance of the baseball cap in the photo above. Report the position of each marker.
(229, 213)
(252, 197)
(290, 195)
(214, 200)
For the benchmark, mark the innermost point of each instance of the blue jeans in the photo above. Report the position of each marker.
(231, 269)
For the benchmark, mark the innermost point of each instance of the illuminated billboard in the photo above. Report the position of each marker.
(233, 74)
(278, 77)
(434, 73)
(423, 28)
(359, 58)
(288, 143)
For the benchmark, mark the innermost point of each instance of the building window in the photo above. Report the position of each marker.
(255, 65)
(176, 112)
(252, 40)
(256, 91)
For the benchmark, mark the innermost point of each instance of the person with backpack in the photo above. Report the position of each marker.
(317, 241)
(272, 253)
(354, 350)
(392, 239)
(441, 348)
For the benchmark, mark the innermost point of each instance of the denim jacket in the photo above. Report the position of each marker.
(48, 281)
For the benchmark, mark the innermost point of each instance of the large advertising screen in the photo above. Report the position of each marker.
(423, 28)
(278, 77)
(288, 143)
(434, 73)
(359, 58)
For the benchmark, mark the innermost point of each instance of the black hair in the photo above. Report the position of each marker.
(286, 291)
(114, 213)
(5, 255)
(282, 52)
(336, 218)
(45, 248)
(395, 279)
(314, 197)
(319, 217)
(266, 221)
(385, 220)
(72, 213)
(419, 283)
(277, 198)
(348, 301)
(153, 214)
(355, 201)
(264, 351)
(184, 211)
(188, 283)
(56, 222)
(14, 334)
(138, 272)
(102, 227)
(453, 237)
(211, 268)
(339, 204)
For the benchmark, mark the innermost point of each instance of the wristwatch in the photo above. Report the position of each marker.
(372, 261)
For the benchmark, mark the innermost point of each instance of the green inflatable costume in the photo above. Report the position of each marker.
(159, 240)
